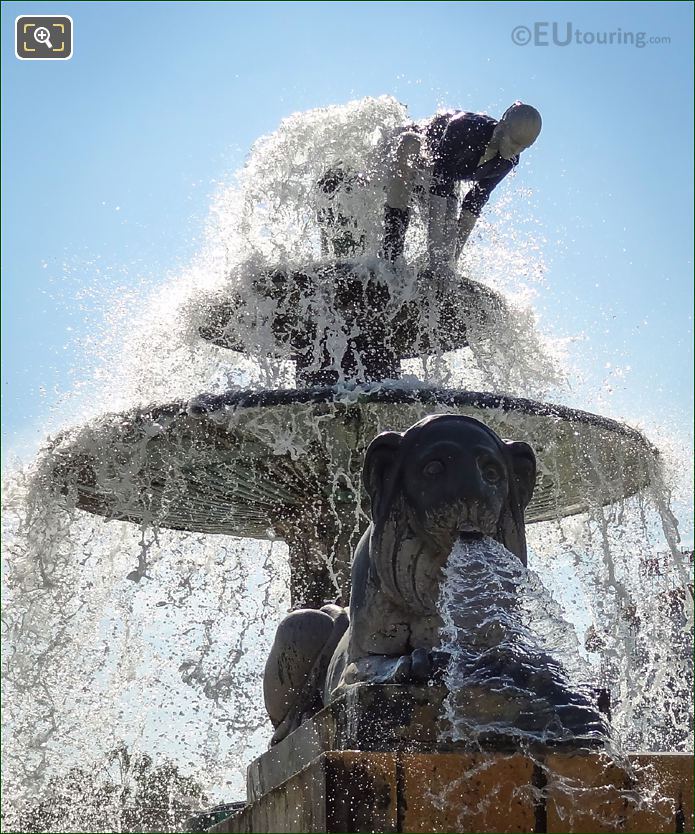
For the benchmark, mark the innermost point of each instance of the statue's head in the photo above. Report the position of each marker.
(446, 477)
(517, 130)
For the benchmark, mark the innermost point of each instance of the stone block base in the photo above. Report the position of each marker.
(352, 791)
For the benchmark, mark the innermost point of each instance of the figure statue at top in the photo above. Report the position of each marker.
(355, 314)
(426, 161)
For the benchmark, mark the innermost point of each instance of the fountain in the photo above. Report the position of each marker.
(286, 463)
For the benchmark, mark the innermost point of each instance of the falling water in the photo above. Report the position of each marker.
(157, 637)
(514, 667)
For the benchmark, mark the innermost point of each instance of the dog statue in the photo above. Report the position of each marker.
(446, 477)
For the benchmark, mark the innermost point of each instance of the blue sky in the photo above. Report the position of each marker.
(111, 159)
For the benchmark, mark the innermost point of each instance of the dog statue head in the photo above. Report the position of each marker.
(446, 477)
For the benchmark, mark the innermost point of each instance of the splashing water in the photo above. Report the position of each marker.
(158, 637)
(632, 608)
(514, 666)
(267, 222)
(514, 669)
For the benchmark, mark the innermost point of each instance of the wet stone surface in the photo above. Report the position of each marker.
(378, 759)
(477, 792)
(371, 718)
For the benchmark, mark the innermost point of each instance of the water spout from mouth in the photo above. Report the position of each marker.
(469, 533)
(514, 673)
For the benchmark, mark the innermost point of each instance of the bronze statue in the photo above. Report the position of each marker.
(427, 162)
(448, 476)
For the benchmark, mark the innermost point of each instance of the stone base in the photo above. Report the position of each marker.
(487, 792)
(374, 760)
(384, 718)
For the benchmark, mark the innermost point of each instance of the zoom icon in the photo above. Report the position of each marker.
(43, 37)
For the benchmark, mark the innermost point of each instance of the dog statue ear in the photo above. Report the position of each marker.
(523, 460)
(378, 471)
(522, 479)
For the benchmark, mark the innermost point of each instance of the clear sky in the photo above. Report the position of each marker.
(110, 158)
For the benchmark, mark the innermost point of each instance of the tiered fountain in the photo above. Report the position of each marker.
(285, 464)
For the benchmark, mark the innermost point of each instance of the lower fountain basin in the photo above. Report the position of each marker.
(238, 462)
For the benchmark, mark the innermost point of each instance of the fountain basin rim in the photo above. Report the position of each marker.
(227, 463)
(392, 393)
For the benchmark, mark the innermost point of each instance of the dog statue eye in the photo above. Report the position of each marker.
(491, 472)
(433, 468)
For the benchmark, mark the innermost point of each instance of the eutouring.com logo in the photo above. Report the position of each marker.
(552, 33)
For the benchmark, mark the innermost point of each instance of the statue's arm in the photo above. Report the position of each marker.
(477, 196)
(484, 185)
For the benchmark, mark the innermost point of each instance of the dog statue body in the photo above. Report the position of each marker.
(446, 477)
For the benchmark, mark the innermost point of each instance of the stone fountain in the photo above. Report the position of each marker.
(287, 464)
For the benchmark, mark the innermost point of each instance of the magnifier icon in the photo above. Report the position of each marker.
(42, 35)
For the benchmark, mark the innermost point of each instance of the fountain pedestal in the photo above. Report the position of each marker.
(373, 761)
(353, 791)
